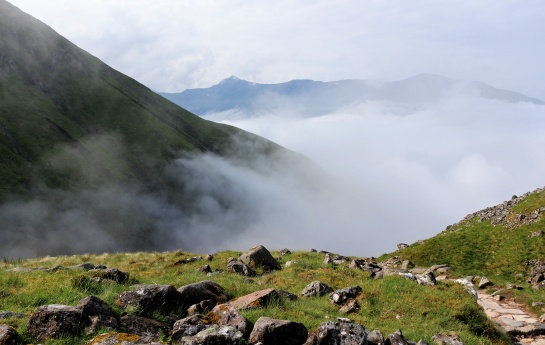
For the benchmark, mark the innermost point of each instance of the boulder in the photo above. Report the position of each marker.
(427, 278)
(278, 332)
(401, 246)
(214, 335)
(101, 315)
(468, 285)
(407, 264)
(9, 336)
(375, 338)
(396, 338)
(147, 299)
(143, 326)
(115, 338)
(204, 269)
(260, 256)
(316, 288)
(240, 268)
(341, 331)
(224, 315)
(56, 321)
(351, 306)
(284, 251)
(205, 290)
(342, 296)
(187, 327)
(447, 339)
(484, 282)
(202, 307)
(288, 295)
(110, 274)
(258, 299)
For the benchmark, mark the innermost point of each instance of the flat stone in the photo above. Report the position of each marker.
(505, 321)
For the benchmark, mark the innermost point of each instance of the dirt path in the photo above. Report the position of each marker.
(514, 320)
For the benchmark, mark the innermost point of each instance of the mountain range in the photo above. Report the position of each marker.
(314, 98)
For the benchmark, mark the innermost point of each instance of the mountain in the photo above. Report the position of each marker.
(314, 98)
(79, 142)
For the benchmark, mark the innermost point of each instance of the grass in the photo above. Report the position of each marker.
(388, 304)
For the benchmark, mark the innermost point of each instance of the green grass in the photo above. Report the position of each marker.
(387, 304)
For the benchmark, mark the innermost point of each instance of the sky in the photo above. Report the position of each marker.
(400, 176)
(172, 45)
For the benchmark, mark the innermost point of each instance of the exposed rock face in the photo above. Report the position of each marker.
(278, 332)
(149, 298)
(143, 326)
(187, 327)
(341, 296)
(341, 332)
(240, 268)
(100, 314)
(214, 335)
(9, 336)
(55, 321)
(317, 289)
(260, 256)
(205, 290)
(224, 315)
(258, 299)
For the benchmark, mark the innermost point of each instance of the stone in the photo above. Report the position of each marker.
(441, 268)
(259, 256)
(209, 257)
(204, 269)
(278, 332)
(188, 326)
(284, 251)
(341, 296)
(115, 338)
(375, 337)
(352, 306)
(396, 338)
(11, 315)
(214, 335)
(205, 290)
(288, 295)
(110, 274)
(147, 299)
(401, 246)
(240, 268)
(427, 278)
(468, 286)
(407, 275)
(143, 326)
(446, 339)
(56, 321)
(202, 307)
(317, 289)
(9, 336)
(255, 300)
(224, 315)
(101, 316)
(536, 234)
(407, 264)
(289, 263)
(341, 332)
(484, 282)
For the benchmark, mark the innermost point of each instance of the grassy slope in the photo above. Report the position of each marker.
(388, 304)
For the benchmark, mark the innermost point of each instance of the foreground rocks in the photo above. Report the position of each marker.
(56, 321)
(278, 332)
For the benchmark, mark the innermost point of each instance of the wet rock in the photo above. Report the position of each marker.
(143, 326)
(205, 290)
(260, 256)
(341, 296)
(214, 335)
(240, 268)
(9, 336)
(147, 299)
(101, 315)
(316, 288)
(278, 332)
(341, 331)
(396, 338)
(56, 321)
(187, 327)
(224, 315)
(258, 299)
(110, 274)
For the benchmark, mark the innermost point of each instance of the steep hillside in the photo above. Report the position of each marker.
(85, 147)
(314, 98)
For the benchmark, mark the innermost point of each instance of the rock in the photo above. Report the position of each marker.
(101, 315)
(316, 288)
(9, 336)
(312, 250)
(224, 315)
(56, 321)
(468, 286)
(407, 264)
(289, 263)
(121, 338)
(427, 278)
(110, 274)
(536, 234)
(11, 315)
(204, 269)
(284, 251)
(288, 295)
(187, 261)
(214, 335)
(240, 268)
(484, 283)
(209, 257)
(278, 332)
(375, 338)
(407, 275)
(341, 332)
(258, 299)
(351, 306)
(341, 296)
(202, 307)
(446, 339)
(205, 290)
(260, 256)
(499, 297)
(143, 326)
(401, 246)
(187, 327)
(421, 342)
(441, 269)
(153, 298)
(396, 338)
(86, 266)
